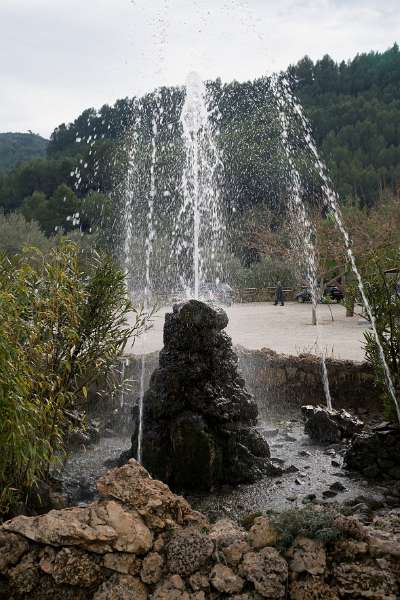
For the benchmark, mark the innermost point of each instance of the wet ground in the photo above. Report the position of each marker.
(317, 475)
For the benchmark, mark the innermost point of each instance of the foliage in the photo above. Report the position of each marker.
(354, 109)
(314, 524)
(18, 147)
(385, 304)
(16, 232)
(60, 330)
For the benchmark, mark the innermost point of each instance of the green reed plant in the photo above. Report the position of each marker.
(60, 332)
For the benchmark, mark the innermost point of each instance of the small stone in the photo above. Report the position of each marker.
(309, 498)
(225, 580)
(304, 453)
(198, 582)
(308, 556)
(121, 587)
(329, 494)
(338, 486)
(335, 463)
(152, 568)
(291, 469)
(122, 562)
(262, 533)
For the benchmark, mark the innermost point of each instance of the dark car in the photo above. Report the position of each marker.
(334, 293)
(331, 292)
(304, 296)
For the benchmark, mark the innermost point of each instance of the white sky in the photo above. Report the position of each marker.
(58, 57)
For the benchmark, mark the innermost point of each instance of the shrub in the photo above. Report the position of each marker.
(59, 331)
(315, 524)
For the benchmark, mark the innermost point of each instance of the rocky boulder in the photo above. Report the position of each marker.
(376, 453)
(199, 420)
(330, 426)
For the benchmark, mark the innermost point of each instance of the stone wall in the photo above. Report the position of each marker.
(281, 383)
(140, 541)
(262, 294)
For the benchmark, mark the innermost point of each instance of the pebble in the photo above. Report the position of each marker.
(338, 486)
(304, 453)
(329, 494)
(335, 463)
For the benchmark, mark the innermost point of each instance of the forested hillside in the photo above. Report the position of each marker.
(354, 109)
(18, 147)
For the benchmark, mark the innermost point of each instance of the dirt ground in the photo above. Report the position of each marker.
(285, 329)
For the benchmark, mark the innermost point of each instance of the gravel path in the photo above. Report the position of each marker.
(284, 329)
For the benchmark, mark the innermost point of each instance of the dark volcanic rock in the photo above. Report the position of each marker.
(329, 426)
(199, 420)
(376, 453)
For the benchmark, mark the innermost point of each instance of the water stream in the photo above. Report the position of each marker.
(199, 226)
(332, 202)
(305, 235)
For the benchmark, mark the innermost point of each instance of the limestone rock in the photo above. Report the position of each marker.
(307, 555)
(72, 566)
(121, 587)
(187, 551)
(262, 533)
(358, 580)
(152, 499)
(268, 572)
(198, 581)
(199, 420)
(152, 568)
(225, 580)
(172, 588)
(12, 547)
(230, 541)
(99, 527)
(311, 588)
(24, 577)
(122, 562)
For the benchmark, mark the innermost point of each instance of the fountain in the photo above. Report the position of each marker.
(306, 231)
(332, 203)
(199, 224)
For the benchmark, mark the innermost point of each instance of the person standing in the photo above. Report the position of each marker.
(279, 297)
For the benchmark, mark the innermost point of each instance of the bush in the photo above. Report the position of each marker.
(16, 232)
(385, 304)
(318, 525)
(59, 331)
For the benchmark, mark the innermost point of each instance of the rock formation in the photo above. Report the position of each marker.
(199, 420)
(376, 453)
(140, 541)
(330, 426)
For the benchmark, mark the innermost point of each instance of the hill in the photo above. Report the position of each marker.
(353, 107)
(18, 147)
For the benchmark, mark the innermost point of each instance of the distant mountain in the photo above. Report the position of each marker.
(17, 147)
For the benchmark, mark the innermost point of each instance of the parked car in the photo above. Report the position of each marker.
(304, 296)
(334, 293)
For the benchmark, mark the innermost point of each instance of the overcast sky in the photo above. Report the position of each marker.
(58, 57)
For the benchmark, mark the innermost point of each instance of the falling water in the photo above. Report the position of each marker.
(333, 204)
(200, 212)
(147, 289)
(307, 231)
